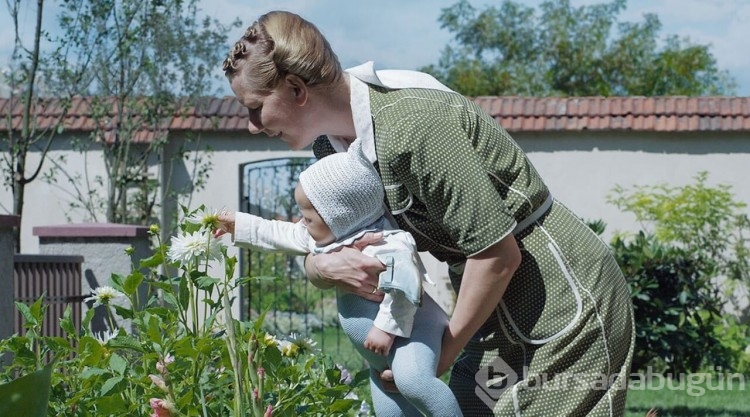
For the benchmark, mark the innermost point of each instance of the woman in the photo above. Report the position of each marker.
(543, 319)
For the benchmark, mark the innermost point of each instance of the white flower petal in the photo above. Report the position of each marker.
(188, 246)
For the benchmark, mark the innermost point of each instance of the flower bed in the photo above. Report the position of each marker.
(184, 355)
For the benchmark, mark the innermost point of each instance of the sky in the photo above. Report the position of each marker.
(406, 34)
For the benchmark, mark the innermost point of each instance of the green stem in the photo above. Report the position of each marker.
(111, 318)
(191, 301)
(232, 348)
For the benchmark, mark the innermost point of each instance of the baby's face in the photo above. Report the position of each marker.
(316, 227)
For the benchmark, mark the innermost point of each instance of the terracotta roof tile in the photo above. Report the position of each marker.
(664, 114)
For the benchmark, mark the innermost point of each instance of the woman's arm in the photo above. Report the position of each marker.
(485, 278)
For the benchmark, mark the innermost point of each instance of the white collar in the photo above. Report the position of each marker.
(359, 99)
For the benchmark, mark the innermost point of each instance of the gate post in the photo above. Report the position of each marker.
(103, 247)
(7, 290)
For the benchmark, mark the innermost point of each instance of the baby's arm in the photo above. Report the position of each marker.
(395, 318)
(257, 233)
(379, 341)
(402, 285)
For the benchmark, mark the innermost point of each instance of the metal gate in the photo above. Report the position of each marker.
(280, 290)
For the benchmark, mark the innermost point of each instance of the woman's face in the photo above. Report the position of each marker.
(316, 227)
(278, 114)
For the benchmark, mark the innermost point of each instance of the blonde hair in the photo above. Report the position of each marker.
(281, 43)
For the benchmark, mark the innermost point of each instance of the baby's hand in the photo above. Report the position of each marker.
(379, 341)
(226, 223)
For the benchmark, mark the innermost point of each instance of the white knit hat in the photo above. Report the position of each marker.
(345, 189)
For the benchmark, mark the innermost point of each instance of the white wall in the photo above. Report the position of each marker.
(49, 203)
(581, 169)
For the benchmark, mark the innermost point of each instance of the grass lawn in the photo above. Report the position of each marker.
(337, 345)
(675, 400)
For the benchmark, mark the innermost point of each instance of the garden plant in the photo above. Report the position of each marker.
(179, 352)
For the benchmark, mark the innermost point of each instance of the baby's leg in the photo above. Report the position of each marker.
(414, 363)
(389, 404)
(356, 315)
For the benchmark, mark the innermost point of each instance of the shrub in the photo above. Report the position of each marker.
(705, 221)
(677, 309)
(691, 235)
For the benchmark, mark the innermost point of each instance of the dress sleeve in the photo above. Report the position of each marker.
(257, 233)
(438, 158)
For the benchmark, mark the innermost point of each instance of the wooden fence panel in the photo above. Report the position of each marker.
(58, 278)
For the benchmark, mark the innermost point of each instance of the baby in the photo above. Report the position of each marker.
(341, 198)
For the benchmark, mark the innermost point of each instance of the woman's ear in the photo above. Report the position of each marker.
(298, 87)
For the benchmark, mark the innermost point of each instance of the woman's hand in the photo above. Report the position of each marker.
(348, 269)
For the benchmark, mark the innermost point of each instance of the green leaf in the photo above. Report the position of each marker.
(184, 294)
(171, 299)
(165, 286)
(132, 282)
(205, 282)
(28, 316)
(124, 312)
(109, 384)
(58, 344)
(683, 297)
(154, 331)
(342, 405)
(152, 262)
(116, 281)
(28, 395)
(118, 364)
(125, 342)
(111, 405)
(66, 321)
(86, 322)
(333, 376)
(360, 377)
(89, 372)
(90, 351)
(229, 266)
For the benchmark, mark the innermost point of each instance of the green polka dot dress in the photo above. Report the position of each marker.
(560, 343)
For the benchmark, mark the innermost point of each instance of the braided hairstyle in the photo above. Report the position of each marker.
(281, 43)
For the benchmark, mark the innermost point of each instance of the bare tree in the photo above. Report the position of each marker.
(140, 63)
(23, 134)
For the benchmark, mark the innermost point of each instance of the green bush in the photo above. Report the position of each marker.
(677, 309)
(708, 222)
(691, 235)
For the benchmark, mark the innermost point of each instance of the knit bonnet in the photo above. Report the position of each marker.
(345, 190)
